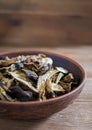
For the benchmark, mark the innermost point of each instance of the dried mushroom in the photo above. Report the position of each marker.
(18, 93)
(33, 77)
(4, 96)
(23, 79)
(53, 87)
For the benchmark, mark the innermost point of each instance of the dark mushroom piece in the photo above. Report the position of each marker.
(66, 86)
(68, 78)
(30, 74)
(19, 65)
(18, 93)
(75, 82)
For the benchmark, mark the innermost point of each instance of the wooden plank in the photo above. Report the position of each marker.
(4, 27)
(71, 7)
(86, 95)
(10, 4)
(66, 7)
(46, 30)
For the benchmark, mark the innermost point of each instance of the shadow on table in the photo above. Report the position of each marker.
(9, 124)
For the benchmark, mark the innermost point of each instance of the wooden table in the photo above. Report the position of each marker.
(77, 116)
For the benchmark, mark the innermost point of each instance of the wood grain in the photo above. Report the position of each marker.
(10, 4)
(45, 23)
(75, 117)
(66, 7)
(52, 23)
(30, 29)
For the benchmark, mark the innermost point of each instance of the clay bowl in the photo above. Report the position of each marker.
(37, 109)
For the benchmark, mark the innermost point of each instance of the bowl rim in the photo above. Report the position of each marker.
(25, 51)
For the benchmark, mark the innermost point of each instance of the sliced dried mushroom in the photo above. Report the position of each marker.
(59, 77)
(7, 82)
(19, 94)
(45, 61)
(23, 79)
(1, 95)
(21, 58)
(62, 70)
(30, 74)
(4, 68)
(42, 79)
(68, 78)
(40, 64)
(54, 87)
(4, 96)
(42, 83)
(66, 86)
(33, 77)
(45, 64)
(19, 65)
(42, 92)
(5, 63)
(49, 87)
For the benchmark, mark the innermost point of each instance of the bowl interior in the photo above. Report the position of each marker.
(58, 60)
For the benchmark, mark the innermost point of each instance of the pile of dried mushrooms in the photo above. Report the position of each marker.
(32, 78)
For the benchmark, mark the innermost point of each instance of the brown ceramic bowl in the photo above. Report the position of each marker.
(37, 109)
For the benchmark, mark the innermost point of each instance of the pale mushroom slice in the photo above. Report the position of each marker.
(11, 68)
(57, 88)
(4, 96)
(24, 80)
(1, 95)
(7, 62)
(42, 82)
(49, 88)
(62, 70)
(1, 76)
(21, 58)
(43, 78)
(7, 82)
(42, 92)
(59, 77)
(46, 61)
(54, 87)
(4, 68)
